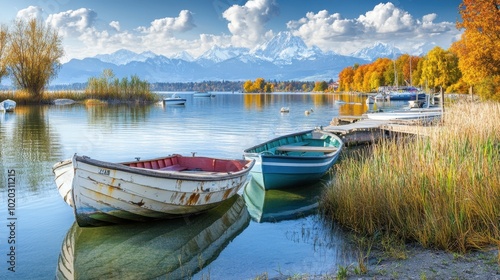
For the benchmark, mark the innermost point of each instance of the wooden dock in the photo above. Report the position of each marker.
(359, 130)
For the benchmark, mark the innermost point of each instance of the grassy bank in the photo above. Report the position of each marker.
(442, 191)
(22, 97)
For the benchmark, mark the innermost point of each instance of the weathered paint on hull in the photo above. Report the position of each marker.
(101, 195)
(153, 250)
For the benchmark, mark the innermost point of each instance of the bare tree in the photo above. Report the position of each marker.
(4, 37)
(33, 55)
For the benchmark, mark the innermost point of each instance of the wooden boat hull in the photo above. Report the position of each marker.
(102, 192)
(174, 249)
(294, 159)
(174, 101)
(406, 115)
(202, 94)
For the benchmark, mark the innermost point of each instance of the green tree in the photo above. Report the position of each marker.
(33, 55)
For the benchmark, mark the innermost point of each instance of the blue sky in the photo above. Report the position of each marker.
(169, 27)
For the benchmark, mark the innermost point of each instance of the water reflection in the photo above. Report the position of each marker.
(282, 204)
(173, 249)
(119, 113)
(29, 142)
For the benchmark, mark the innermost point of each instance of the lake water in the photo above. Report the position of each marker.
(235, 241)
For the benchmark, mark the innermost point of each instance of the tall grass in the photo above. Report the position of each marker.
(115, 95)
(442, 191)
(111, 88)
(23, 97)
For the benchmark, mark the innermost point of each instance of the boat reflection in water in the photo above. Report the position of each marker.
(172, 249)
(281, 204)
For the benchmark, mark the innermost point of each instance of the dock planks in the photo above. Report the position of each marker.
(367, 130)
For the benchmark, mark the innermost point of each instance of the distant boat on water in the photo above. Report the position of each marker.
(174, 99)
(8, 105)
(405, 94)
(203, 94)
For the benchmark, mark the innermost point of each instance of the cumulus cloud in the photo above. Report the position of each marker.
(386, 18)
(30, 13)
(115, 25)
(318, 29)
(182, 23)
(247, 22)
(385, 23)
(72, 22)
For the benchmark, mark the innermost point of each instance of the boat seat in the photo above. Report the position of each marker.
(174, 167)
(294, 148)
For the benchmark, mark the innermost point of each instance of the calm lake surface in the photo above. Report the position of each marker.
(276, 232)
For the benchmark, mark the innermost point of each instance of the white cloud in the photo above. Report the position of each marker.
(182, 23)
(386, 18)
(72, 22)
(84, 34)
(115, 25)
(319, 29)
(385, 23)
(30, 13)
(247, 23)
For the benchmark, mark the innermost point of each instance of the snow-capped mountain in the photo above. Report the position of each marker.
(122, 57)
(284, 57)
(184, 56)
(378, 50)
(218, 54)
(284, 48)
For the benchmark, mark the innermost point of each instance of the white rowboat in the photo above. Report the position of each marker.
(103, 192)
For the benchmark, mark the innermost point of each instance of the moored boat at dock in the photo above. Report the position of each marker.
(294, 159)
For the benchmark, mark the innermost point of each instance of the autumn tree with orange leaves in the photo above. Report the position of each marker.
(479, 48)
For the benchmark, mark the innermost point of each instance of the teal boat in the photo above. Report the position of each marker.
(294, 159)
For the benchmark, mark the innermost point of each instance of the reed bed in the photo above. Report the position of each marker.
(110, 89)
(113, 95)
(442, 190)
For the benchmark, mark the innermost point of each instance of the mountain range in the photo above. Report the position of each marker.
(284, 57)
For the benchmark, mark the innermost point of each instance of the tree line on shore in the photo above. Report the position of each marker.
(471, 63)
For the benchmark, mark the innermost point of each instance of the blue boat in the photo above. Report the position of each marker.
(294, 159)
(406, 93)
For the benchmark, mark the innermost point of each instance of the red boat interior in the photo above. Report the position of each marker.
(181, 163)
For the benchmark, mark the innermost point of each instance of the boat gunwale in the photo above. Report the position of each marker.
(326, 155)
(168, 174)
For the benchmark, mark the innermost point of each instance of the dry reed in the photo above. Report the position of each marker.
(442, 191)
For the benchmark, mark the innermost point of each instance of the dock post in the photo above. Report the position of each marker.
(442, 104)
